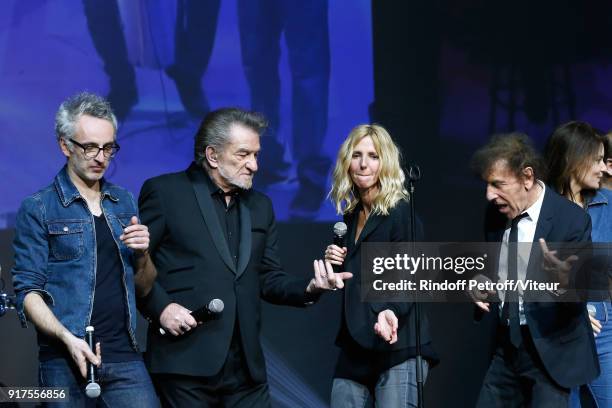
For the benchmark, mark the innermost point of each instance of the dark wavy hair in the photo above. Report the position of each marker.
(569, 151)
(516, 149)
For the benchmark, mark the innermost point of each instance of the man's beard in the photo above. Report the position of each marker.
(235, 181)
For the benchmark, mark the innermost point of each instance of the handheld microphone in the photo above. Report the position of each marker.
(211, 311)
(92, 390)
(592, 310)
(340, 230)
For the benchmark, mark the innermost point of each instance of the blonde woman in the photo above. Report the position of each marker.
(376, 363)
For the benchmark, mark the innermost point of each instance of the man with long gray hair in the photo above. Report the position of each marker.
(77, 244)
(213, 237)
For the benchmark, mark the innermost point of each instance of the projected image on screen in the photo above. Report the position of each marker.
(307, 66)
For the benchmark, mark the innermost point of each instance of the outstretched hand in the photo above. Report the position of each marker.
(386, 326)
(559, 269)
(481, 297)
(325, 278)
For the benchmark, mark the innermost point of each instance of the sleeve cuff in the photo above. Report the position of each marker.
(154, 303)
(20, 303)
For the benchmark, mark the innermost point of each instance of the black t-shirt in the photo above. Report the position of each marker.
(110, 311)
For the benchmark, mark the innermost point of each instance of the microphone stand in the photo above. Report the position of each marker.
(7, 302)
(414, 175)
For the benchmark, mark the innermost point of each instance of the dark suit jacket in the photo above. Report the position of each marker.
(359, 316)
(561, 331)
(194, 265)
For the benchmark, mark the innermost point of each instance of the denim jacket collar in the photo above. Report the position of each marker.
(68, 192)
(599, 199)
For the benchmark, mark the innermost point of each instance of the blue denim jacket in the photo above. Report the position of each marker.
(600, 211)
(55, 251)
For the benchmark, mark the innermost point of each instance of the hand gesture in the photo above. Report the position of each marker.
(176, 319)
(325, 278)
(136, 236)
(559, 269)
(479, 297)
(386, 326)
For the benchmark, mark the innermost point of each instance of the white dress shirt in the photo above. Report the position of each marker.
(526, 233)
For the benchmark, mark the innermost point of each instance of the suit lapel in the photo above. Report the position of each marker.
(244, 252)
(350, 234)
(202, 194)
(371, 224)
(545, 219)
(542, 230)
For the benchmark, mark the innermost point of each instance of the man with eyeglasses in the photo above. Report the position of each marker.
(78, 244)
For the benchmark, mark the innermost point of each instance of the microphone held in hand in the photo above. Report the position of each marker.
(209, 312)
(92, 390)
(212, 311)
(340, 230)
(592, 310)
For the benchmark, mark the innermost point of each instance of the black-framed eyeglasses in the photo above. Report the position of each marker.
(92, 150)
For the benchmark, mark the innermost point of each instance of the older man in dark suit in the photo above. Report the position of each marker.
(542, 348)
(212, 236)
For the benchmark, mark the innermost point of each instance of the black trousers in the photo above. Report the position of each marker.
(517, 377)
(232, 387)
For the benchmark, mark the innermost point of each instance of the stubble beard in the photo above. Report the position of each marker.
(235, 181)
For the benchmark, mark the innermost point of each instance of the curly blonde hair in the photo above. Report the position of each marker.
(391, 178)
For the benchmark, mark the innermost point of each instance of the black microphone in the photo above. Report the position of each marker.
(92, 390)
(340, 230)
(211, 311)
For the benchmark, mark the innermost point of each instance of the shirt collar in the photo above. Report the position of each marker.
(533, 212)
(599, 199)
(219, 192)
(215, 190)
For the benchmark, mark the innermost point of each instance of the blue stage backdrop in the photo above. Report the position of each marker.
(306, 65)
(442, 76)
